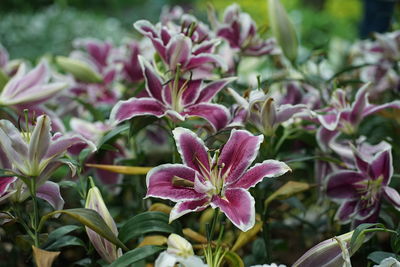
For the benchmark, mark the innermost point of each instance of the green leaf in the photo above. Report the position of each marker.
(148, 222)
(65, 241)
(395, 241)
(89, 218)
(233, 259)
(3, 79)
(7, 173)
(358, 236)
(136, 255)
(62, 231)
(113, 133)
(138, 123)
(378, 256)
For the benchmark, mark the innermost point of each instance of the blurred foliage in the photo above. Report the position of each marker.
(316, 21)
(52, 29)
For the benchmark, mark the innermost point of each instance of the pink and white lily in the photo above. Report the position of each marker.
(222, 181)
(345, 117)
(177, 100)
(35, 153)
(239, 29)
(360, 191)
(176, 47)
(262, 111)
(14, 189)
(30, 88)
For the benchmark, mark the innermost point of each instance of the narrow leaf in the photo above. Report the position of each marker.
(148, 222)
(89, 218)
(287, 190)
(65, 241)
(233, 259)
(113, 133)
(245, 237)
(129, 258)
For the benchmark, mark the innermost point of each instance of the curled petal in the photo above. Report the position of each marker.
(5, 183)
(216, 115)
(61, 144)
(125, 110)
(50, 192)
(359, 105)
(324, 137)
(178, 51)
(392, 196)
(330, 121)
(192, 149)
(382, 166)
(153, 82)
(208, 92)
(346, 210)
(370, 109)
(287, 111)
(340, 184)
(160, 184)
(13, 145)
(204, 58)
(268, 168)
(238, 206)
(238, 153)
(184, 207)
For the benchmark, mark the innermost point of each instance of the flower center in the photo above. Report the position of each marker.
(370, 190)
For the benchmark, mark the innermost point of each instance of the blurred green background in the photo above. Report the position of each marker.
(29, 29)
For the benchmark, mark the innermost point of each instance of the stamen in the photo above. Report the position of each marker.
(177, 181)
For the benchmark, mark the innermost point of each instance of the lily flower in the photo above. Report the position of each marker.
(14, 189)
(177, 99)
(107, 250)
(30, 88)
(175, 47)
(35, 153)
(361, 191)
(221, 182)
(263, 113)
(240, 30)
(179, 251)
(345, 117)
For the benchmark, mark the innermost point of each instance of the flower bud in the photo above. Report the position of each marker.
(107, 250)
(79, 69)
(283, 29)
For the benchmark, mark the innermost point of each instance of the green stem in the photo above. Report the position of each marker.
(267, 234)
(213, 223)
(35, 220)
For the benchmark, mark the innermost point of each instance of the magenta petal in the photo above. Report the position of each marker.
(359, 105)
(216, 115)
(5, 183)
(159, 183)
(153, 82)
(340, 184)
(184, 207)
(192, 150)
(346, 210)
(287, 111)
(324, 138)
(207, 93)
(370, 109)
(330, 121)
(204, 58)
(268, 168)
(61, 144)
(238, 153)
(50, 192)
(125, 110)
(178, 51)
(191, 93)
(238, 206)
(382, 166)
(391, 195)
